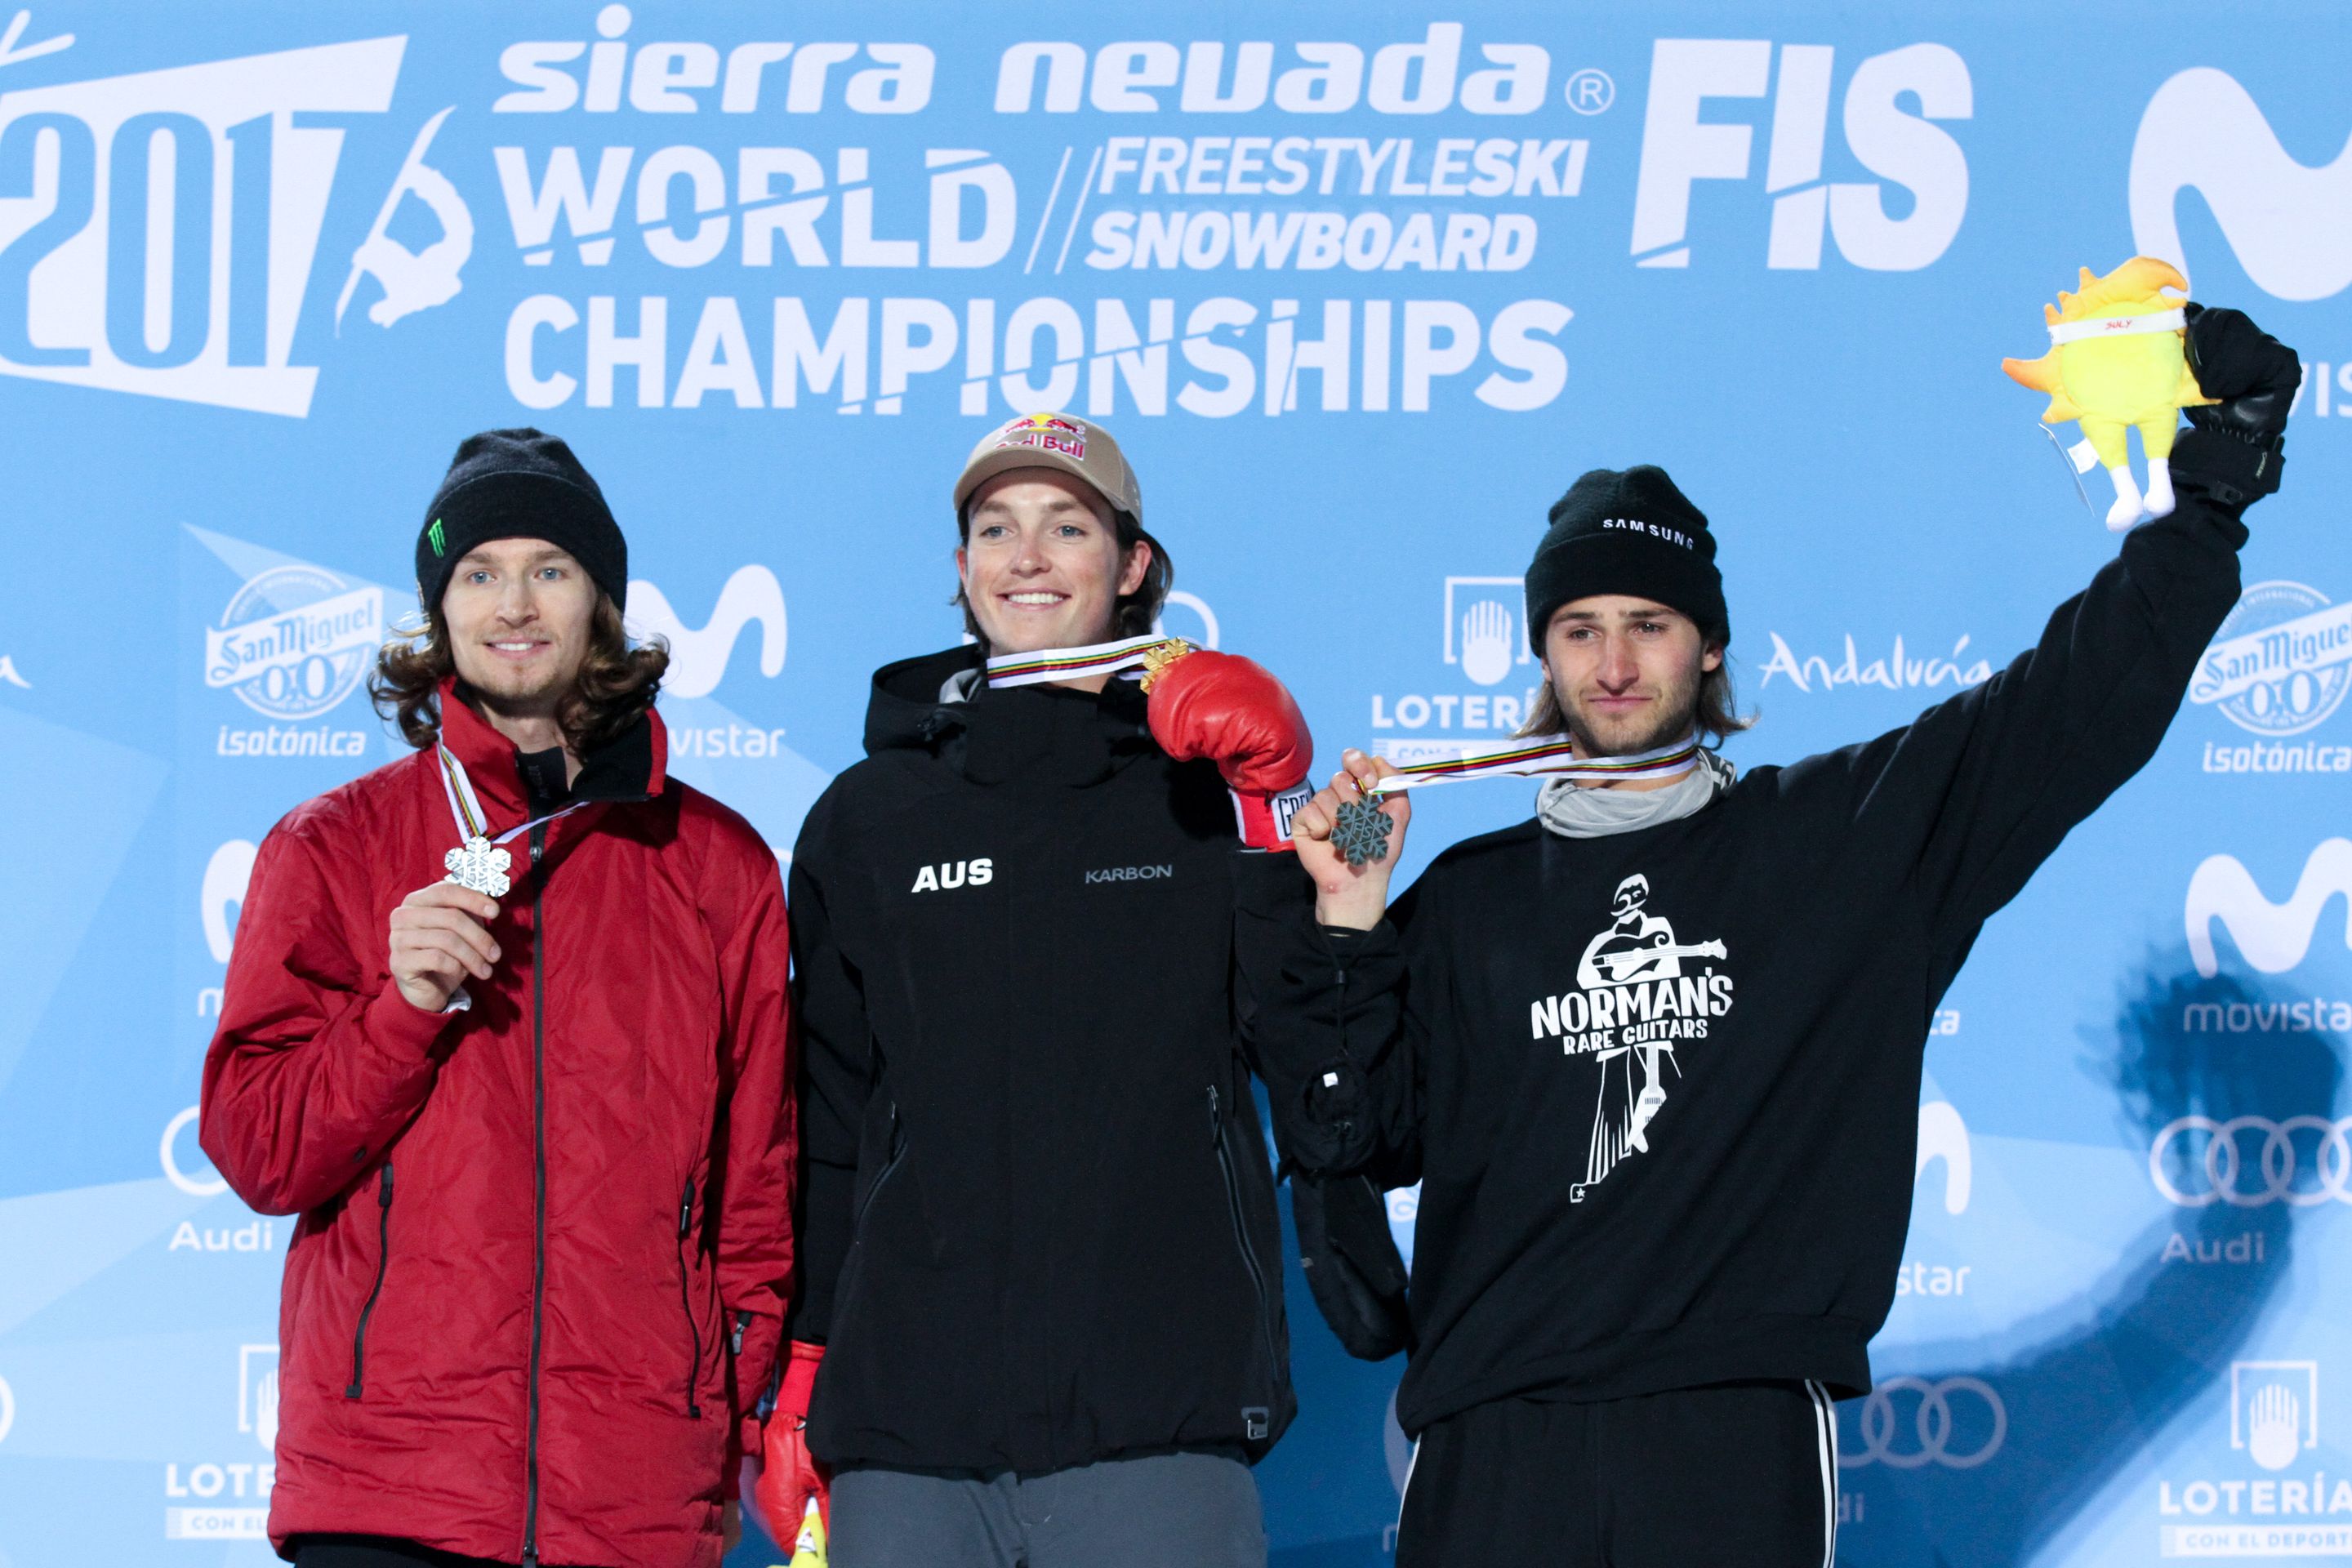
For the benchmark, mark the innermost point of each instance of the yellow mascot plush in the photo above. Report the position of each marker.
(2116, 359)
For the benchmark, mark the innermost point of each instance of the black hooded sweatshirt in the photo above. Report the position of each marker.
(1039, 1225)
(1769, 966)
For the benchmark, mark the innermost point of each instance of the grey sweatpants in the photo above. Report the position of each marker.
(1166, 1510)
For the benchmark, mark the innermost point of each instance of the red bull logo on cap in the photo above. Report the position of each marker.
(1050, 431)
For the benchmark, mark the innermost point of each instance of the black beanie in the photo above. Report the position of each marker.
(519, 484)
(1627, 531)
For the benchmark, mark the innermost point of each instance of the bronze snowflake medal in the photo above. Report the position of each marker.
(1362, 833)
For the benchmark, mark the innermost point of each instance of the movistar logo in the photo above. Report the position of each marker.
(2289, 223)
(433, 536)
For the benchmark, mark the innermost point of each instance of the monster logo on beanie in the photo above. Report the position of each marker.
(519, 484)
(1627, 531)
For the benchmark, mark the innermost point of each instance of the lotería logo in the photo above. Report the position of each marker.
(1908, 1423)
(1482, 628)
(220, 1494)
(2280, 661)
(699, 655)
(175, 215)
(1907, 146)
(1481, 633)
(2251, 1162)
(2273, 937)
(2274, 1410)
(294, 641)
(256, 1394)
(2290, 226)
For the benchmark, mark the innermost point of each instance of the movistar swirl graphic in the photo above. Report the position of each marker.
(2289, 223)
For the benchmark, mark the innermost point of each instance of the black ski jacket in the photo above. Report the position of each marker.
(1040, 1224)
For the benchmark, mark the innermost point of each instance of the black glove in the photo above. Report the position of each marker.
(1353, 1268)
(2237, 445)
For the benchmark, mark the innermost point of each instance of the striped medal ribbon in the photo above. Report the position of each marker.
(1130, 659)
(1553, 756)
(478, 862)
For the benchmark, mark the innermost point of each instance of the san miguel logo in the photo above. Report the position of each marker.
(1637, 996)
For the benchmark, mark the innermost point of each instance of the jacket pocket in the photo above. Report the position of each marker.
(686, 1300)
(382, 1263)
(1256, 1419)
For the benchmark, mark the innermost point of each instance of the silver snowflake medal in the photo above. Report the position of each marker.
(480, 866)
(1362, 833)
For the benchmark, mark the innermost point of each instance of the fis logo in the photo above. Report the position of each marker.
(2290, 226)
(159, 227)
(1681, 146)
(699, 655)
(2273, 937)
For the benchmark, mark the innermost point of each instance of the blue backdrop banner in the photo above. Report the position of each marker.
(1360, 287)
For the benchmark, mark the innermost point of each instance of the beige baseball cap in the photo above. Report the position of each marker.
(1063, 441)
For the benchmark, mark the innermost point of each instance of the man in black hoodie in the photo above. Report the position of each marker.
(1654, 1057)
(1040, 1319)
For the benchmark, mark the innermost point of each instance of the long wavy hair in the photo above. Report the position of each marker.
(616, 685)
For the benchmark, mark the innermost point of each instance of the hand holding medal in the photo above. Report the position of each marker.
(440, 936)
(1349, 837)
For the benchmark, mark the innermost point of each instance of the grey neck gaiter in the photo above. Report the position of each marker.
(1574, 812)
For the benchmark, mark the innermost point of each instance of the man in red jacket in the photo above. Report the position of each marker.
(544, 986)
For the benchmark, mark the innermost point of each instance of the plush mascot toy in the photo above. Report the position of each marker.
(2116, 359)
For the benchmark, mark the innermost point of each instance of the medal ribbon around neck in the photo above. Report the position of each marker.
(1550, 757)
(478, 862)
(1131, 658)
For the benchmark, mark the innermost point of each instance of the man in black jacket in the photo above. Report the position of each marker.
(1041, 1296)
(1654, 1055)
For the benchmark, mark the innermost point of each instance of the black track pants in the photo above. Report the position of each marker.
(1734, 1473)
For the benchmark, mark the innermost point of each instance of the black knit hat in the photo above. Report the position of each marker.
(1627, 531)
(519, 484)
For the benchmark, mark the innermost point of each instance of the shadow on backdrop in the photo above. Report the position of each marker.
(2101, 1376)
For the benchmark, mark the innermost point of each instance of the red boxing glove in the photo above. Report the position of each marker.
(1226, 709)
(789, 1473)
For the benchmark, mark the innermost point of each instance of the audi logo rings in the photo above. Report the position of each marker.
(1933, 1424)
(2225, 1174)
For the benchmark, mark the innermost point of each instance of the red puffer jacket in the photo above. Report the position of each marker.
(545, 1241)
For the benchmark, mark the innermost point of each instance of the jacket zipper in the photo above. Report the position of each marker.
(539, 1185)
(891, 1165)
(1241, 1227)
(686, 1298)
(382, 1262)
